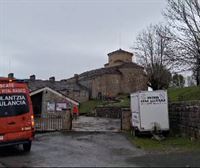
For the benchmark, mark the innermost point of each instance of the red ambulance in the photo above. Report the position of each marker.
(16, 114)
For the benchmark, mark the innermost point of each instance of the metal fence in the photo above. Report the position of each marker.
(53, 121)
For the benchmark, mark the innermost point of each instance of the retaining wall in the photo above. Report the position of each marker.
(108, 112)
(184, 118)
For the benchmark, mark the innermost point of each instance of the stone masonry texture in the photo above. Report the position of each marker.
(126, 119)
(185, 118)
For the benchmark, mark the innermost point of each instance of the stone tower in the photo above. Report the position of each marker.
(118, 57)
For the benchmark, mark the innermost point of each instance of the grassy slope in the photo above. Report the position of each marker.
(124, 101)
(89, 106)
(183, 94)
(175, 94)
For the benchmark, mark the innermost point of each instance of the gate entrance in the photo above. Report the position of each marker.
(53, 122)
(63, 121)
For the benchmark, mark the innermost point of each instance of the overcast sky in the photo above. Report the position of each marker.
(63, 37)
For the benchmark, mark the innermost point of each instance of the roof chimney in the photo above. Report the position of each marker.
(52, 79)
(11, 75)
(32, 77)
(76, 77)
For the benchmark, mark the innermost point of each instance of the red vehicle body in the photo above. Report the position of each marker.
(16, 114)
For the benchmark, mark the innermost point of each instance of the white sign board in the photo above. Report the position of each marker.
(50, 107)
(61, 106)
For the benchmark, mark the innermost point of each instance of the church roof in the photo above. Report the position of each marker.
(120, 51)
(109, 70)
(99, 72)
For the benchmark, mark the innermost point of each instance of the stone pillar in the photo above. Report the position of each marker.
(67, 120)
(126, 119)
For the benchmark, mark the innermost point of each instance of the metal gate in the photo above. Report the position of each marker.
(53, 121)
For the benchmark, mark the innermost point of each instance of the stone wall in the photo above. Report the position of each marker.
(49, 97)
(133, 80)
(106, 85)
(119, 58)
(126, 79)
(108, 112)
(185, 118)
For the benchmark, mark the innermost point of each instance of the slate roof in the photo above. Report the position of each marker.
(119, 51)
(55, 92)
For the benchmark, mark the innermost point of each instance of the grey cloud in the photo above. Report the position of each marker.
(63, 37)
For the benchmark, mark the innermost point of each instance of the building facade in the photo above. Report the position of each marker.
(47, 100)
(119, 76)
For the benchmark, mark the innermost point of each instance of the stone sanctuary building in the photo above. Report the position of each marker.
(119, 75)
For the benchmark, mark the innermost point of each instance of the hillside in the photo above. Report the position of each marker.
(175, 94)
(89, 106)
(183, 94)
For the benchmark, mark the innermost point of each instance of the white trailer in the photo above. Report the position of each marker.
(150, 111)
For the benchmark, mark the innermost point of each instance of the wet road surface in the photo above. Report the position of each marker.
(73, 149)
(95, 142)
(90, 149)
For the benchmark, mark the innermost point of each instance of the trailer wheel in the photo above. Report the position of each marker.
(27, 146)
(166, 133)
(134, 132)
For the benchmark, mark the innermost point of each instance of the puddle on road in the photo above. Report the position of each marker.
(96, 124)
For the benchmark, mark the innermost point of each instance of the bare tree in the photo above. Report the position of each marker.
(184, 18)
(153, 48)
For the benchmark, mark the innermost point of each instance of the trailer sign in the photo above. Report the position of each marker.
(155, 99)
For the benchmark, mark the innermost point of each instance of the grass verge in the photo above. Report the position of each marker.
(170, 144)
(184, 94)
(89, 106)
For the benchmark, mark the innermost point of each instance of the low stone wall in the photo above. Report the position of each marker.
(184, 118)
(108, 112)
